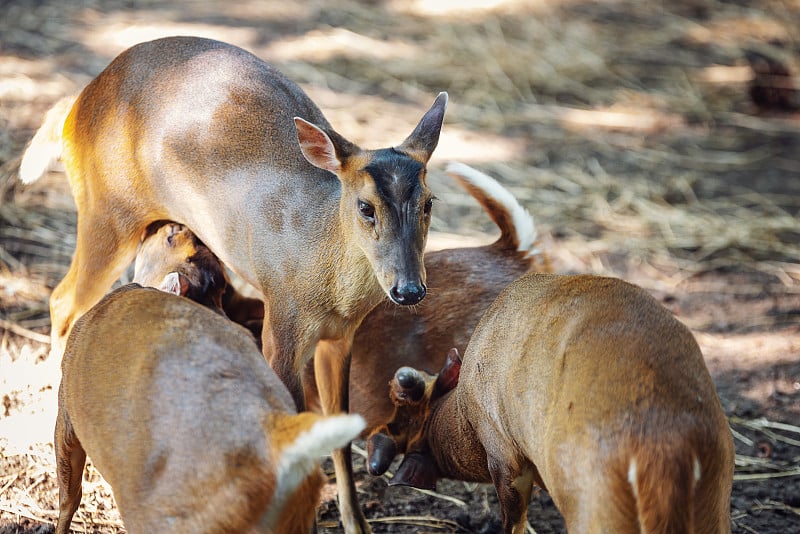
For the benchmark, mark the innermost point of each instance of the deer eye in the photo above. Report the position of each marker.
(366, 210)
(428, 206)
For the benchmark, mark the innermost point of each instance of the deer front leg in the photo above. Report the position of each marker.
(284, 347)
(102, 253)
(332, 370)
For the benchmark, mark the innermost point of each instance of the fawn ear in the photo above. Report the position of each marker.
(381, 450)
(174, 283)
(417, 470)
(448, 376)
(217, 295)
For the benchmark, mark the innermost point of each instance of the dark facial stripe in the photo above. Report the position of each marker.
(402, 193)
(387, 164)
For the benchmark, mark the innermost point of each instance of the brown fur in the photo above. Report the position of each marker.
(566, 383)
(236, 159)
(170, 401)
(297, 515)
(169, 248)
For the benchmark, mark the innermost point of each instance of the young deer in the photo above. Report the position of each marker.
(172, 259)
(463, 282)
(207, 135)
(180, 412)
(585, 386)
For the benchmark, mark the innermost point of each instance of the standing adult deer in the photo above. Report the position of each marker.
(207, 135)
(585, 386)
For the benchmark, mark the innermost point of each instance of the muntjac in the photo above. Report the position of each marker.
(207, 135)
(584, 386)
(172, 259)
(463, 283)
(180, 412)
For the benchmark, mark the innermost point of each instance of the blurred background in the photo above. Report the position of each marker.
(655, 141)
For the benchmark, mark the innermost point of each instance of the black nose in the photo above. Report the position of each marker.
(408, 294)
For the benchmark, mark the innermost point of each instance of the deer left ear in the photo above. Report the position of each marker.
(448, 376)
(425, 137)
(174, 283)
(416, 470)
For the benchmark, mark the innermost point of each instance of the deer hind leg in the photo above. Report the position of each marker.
(513, 482)
(102, 253)
(332, 372)
(70, 461)
(595, 495)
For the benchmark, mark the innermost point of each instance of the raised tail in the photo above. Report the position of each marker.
(517, 230)
(44, 150)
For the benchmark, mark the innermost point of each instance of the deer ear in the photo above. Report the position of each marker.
(381, 450)
(316, 146)
(326, 150)
(174, 283)
(448, 376)
(173, 229)
(425, 137)
(416, 470)
(216, 299)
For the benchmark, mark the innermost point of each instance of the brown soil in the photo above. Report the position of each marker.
(641, 137)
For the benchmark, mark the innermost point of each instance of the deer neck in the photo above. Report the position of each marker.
(454, 443)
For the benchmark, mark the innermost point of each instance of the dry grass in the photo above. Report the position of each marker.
(624, 127)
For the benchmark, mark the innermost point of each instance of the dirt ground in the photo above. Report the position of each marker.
(655, 141)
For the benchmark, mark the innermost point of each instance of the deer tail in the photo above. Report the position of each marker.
(517, 230)
(44, 150)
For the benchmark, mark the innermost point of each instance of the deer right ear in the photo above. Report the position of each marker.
(448, 376)
(321, 149)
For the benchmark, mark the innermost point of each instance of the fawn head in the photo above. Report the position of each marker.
(415, 395)
(172, 259)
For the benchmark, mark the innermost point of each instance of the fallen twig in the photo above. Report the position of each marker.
(764, 476)
(24, 332)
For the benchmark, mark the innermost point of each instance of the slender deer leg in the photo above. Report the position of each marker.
(101, 256)
(514, 487)
(332, 370)
(282, 344)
